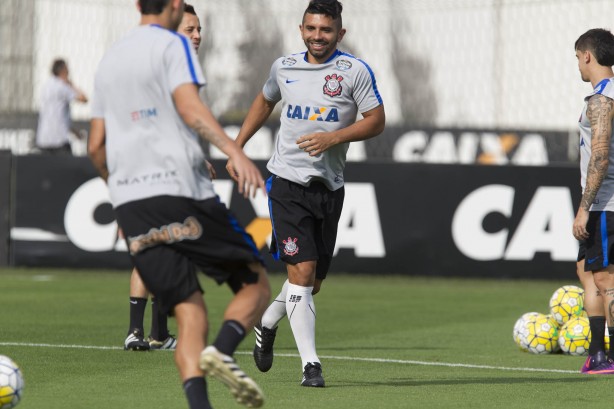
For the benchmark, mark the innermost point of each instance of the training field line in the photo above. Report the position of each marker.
(339, 358)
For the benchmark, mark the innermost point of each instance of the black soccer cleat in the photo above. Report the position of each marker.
(312, 375)
(263, 350)
(135, 341)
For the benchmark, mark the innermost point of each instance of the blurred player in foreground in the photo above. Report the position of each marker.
(159, 336)
(145, 102)
(594, 222)
(321, 91)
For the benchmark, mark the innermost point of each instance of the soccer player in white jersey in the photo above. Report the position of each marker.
(145, 102)
(159, 336)
(321, 90)
(594, 222)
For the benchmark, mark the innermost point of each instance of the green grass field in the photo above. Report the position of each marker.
(384, 342)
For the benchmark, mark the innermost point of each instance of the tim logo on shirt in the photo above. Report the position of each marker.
(143, 114)
(312, 113)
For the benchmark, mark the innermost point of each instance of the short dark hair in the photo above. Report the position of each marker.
(188, 8)
(152, 6)
(330, 8)
(600, 42)
(58, 65)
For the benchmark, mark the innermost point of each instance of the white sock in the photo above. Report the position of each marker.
(277, 310)
(302, 316)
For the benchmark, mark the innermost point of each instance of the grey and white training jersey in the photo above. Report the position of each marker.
(605, 196)
(54, 114)
(317, 98)
(150, 150)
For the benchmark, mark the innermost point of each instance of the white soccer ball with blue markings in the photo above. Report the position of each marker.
(521, 331)
(11, 383)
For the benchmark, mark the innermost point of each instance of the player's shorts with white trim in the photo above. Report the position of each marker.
(169, 238)
(597, 250)
(304, 220)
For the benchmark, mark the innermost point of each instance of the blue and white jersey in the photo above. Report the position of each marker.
(605, 197)
(150, 150)
(317, 98)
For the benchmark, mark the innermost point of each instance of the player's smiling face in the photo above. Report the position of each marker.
(190, 27)
(321, 35)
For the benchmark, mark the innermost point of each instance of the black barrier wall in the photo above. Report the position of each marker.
(415, 219)
(5, 206)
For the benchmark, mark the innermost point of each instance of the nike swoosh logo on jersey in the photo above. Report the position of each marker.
(592, 260)
(290, 81)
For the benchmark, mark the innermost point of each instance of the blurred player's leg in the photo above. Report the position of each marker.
(242, 312)
(192, 330)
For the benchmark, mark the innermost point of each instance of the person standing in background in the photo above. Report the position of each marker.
(54, 121)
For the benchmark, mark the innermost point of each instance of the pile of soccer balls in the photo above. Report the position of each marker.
(565, 329)
(11, 383)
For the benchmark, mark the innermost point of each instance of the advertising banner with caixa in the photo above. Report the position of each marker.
(417, 219)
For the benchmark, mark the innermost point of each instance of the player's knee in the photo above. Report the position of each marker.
(603, 280)
(302, 274)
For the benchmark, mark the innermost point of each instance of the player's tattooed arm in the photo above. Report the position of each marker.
(198, 116)
(600, 112)
(208, 133)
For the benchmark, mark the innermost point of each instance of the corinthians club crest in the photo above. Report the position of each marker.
(290, 247)
(332, 86)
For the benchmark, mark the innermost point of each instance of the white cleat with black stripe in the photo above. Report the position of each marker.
(224, 368)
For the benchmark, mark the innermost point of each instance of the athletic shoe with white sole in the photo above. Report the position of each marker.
(312, 375)
(263, 350)
(136, 342)
(224, 368)
(168, 343)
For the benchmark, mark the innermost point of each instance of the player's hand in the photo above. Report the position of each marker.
(315, 143)
(248, 176)
(579, 225)
(211, 170)
(231, 170)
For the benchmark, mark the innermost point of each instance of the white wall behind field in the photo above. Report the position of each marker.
(490, 63)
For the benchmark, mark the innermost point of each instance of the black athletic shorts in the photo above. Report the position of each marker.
(597, 249)
(169, 238)
(304, 220)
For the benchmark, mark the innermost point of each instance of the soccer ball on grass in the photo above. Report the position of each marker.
(520, 331)
(567, 302)
(11, 383)
(575, 336)
(541, 335)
